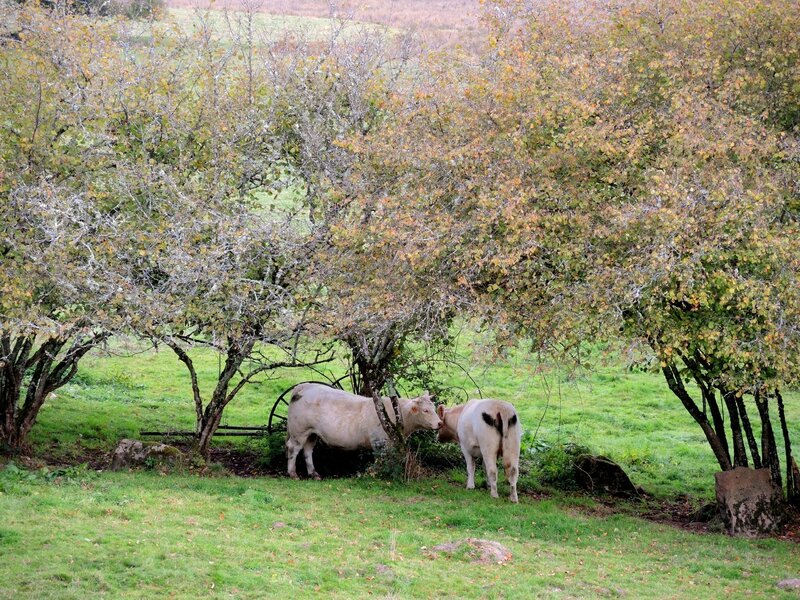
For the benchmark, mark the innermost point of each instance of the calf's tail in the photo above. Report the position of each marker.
(508, 443)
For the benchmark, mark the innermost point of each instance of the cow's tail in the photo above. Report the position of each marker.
(507, 426)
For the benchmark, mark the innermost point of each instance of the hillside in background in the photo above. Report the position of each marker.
(442, 22)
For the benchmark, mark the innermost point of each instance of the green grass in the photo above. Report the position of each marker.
(144, 535)
(72, 532)
(632, 417)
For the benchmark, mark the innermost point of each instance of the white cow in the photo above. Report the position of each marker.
(486, 428)
(344, 420)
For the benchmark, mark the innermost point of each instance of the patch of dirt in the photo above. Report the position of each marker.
(680, 512)
(95, 458)
(244, 463)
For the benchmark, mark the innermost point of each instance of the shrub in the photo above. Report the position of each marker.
(551, 464)
(434, 455)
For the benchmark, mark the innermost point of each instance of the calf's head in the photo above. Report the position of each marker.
(422, 414)
(448, 432)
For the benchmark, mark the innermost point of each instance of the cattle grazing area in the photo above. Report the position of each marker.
(140, 535)
(71, 531)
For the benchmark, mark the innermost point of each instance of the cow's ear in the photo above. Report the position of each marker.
(440, 411)
(414, 407)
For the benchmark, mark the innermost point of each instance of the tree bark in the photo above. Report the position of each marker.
(792, 484)
(748, 430)
(739, 452)
(696, 366)
(184, 357)
(716, 415)
(675, 384)
(212, 415)
(769, 450)
(372, 357)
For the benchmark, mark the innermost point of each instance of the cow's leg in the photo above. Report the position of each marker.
(293, 448)
(470, 460)
(489, 455)
(308, 450)
(512, 474)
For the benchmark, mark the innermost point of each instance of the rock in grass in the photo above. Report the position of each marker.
(789, 584)
(134, 453)
(603, 475)
(477, 550)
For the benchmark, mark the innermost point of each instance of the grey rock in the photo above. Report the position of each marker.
(134, 453)
(478, 550)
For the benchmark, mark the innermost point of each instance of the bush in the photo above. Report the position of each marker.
(271, 451)
(434, 455)
(393, 463)
(552, 465)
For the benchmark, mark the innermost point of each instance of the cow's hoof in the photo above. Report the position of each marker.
(294, 476)
(470, 486)
(316, 476)
(514, 499)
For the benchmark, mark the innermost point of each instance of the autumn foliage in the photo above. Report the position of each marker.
(624, 172)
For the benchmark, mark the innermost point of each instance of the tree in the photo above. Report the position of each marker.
(130, 179)
(49, 148)
(630, 174)
(209, 259)
(333, 96)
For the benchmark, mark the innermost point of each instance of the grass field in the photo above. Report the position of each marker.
(70, 532)
(144, 535)
(267, 27)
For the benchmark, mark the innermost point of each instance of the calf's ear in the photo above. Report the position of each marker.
(440, 411)
(414, 408)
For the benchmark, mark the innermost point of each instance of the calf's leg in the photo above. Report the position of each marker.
(512, 474)
(293, 448)
(470, 468)
(490, 463)
(308, 450)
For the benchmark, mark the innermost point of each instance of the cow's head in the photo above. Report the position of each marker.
(423, 413)
(448, 432)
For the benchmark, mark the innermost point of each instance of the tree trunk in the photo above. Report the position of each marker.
(46, 373)
(371, 359)
(769, 450)
(10, 388)
(675, 384)
(207, 430)
(792, 483)
(212, 415)
(393, 429)
(719, 423)
(748, 430)
(739, 453)
(370, 378)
